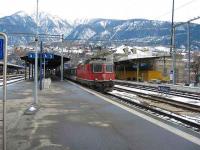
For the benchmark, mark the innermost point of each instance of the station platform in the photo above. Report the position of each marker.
(72, 118)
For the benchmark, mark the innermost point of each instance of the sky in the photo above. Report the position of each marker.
(109, 9)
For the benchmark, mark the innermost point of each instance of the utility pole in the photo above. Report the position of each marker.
(61, 70)
(188, 48)
(164, 66)
(172, 25)
(138, 69)
(174, 57)
(173, 45)
(44, 69)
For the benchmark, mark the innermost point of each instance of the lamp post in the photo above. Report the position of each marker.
(36, 59)
(188, 48)
(33, 108)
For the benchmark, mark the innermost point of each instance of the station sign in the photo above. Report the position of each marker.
(171, 75)
(1, 48)
(164, 89)
(43, 55)
(66, 66)
(31, 55)
(48, 56)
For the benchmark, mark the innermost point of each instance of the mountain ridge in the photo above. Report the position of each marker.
(135, 31)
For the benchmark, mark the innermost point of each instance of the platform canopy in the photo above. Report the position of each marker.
(51, 61)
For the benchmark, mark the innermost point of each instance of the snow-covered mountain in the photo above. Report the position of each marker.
(139, 32)
(52, 24)
(135, 31)
(20, 22)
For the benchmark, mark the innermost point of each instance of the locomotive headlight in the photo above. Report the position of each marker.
(110, 79)
(96, 79)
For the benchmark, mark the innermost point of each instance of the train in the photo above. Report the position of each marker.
(96, 73)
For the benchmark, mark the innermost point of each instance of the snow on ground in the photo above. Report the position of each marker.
(120, 49)
(129, 96)
(133, 52)
(188, 118)
(173, 98)
(162, 48)
(133, 97)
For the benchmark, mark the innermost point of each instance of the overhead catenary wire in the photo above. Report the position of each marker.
(176, 9)
(80, 40)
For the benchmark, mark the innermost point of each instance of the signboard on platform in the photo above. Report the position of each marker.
(47, 55)
(43, 55)
(164, 89)
(171, 75)
(1, 48)
(31, 55)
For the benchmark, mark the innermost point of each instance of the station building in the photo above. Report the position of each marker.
(138, 69)
(141, 64)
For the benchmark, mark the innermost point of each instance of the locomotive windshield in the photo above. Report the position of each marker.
(97, 67)
(109, 68)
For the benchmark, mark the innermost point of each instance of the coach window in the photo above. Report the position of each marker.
(109, 68)
(97, 67)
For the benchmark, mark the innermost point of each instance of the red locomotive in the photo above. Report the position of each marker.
(96, 73)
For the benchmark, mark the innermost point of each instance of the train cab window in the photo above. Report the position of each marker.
(97, 67)
(109, 68)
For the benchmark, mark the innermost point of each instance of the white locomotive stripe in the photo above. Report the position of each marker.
(172, 129)
(93, 80)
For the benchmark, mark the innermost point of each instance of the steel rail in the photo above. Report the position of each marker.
(176, 117)
(184, 94)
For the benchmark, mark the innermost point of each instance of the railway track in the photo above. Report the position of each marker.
(165, 99)
(12, 78)
(188, 117)
(191, 95)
